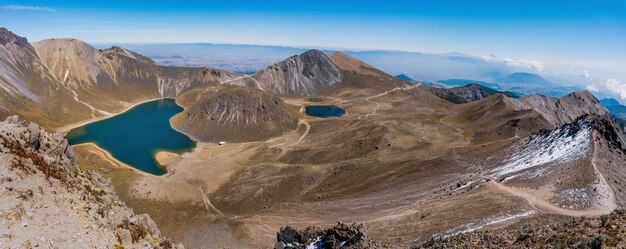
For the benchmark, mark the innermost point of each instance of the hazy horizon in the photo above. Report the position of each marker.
(582, 38)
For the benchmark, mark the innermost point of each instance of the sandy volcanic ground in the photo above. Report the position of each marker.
(400, 161)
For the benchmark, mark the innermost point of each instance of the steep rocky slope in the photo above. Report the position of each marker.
(499, 116)
(236, 114)
(303, 74)
(102, 78)
(46, 201)
(538, 156)
(468, 93)
(316, 73)
(360, 75)
(28, 88)
(18, 56)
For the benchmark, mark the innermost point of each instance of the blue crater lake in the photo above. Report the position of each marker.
(135, 136)
(324, 111)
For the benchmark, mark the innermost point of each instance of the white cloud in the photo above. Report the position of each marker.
(592, 88)
(28, 7)
(616, 86)
(585, 74)
(530, 64)
(611, 86)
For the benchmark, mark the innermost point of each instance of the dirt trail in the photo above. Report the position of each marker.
(209, 206)
(545, 206)
(243, 77)
(93, 109)
(369, 99)
(606, 195)
(306, 132)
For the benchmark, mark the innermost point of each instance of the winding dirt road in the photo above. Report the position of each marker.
(306, 132)
(605, 199)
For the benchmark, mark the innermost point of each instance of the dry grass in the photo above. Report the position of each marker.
(314, 99)
(48, 169)
(136, 232)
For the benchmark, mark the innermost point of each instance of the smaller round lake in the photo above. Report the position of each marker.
(135, 136)
(324, 111)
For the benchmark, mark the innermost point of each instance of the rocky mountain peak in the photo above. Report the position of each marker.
(120, 51)
(303, 74)
(72, 60)
(350, 64)
(583, 96)
(313, 55)
(568, 142)
(559, 111)
(7, 36)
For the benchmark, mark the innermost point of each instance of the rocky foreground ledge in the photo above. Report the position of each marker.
(340, 236)
(606, 231)
(46, 201)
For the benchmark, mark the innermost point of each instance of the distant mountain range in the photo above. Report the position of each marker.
(490, 71)
(618, 110)
(521, 83)
(404, 77)
(524, 78)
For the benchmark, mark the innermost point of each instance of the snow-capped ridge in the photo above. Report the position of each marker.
(567, 143)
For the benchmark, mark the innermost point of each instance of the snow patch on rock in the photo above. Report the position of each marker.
(470, 227)
(565, 144)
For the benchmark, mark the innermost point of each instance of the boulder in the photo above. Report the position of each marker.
(13, 119)
(34, 137)
(340, 236)
(289, 235)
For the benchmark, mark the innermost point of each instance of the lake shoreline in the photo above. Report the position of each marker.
(107, 156)
(195, 139)
(65, 129)
(148, 124)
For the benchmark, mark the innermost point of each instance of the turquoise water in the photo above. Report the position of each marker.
(135, 136)
(323, 111)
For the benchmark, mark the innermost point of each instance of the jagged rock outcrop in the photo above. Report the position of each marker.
(468, 93)
(304, 74)
(340, 236)
(236, 114)
(594, 232)
(46, 201)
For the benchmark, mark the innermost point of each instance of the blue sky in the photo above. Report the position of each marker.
(588, 34)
